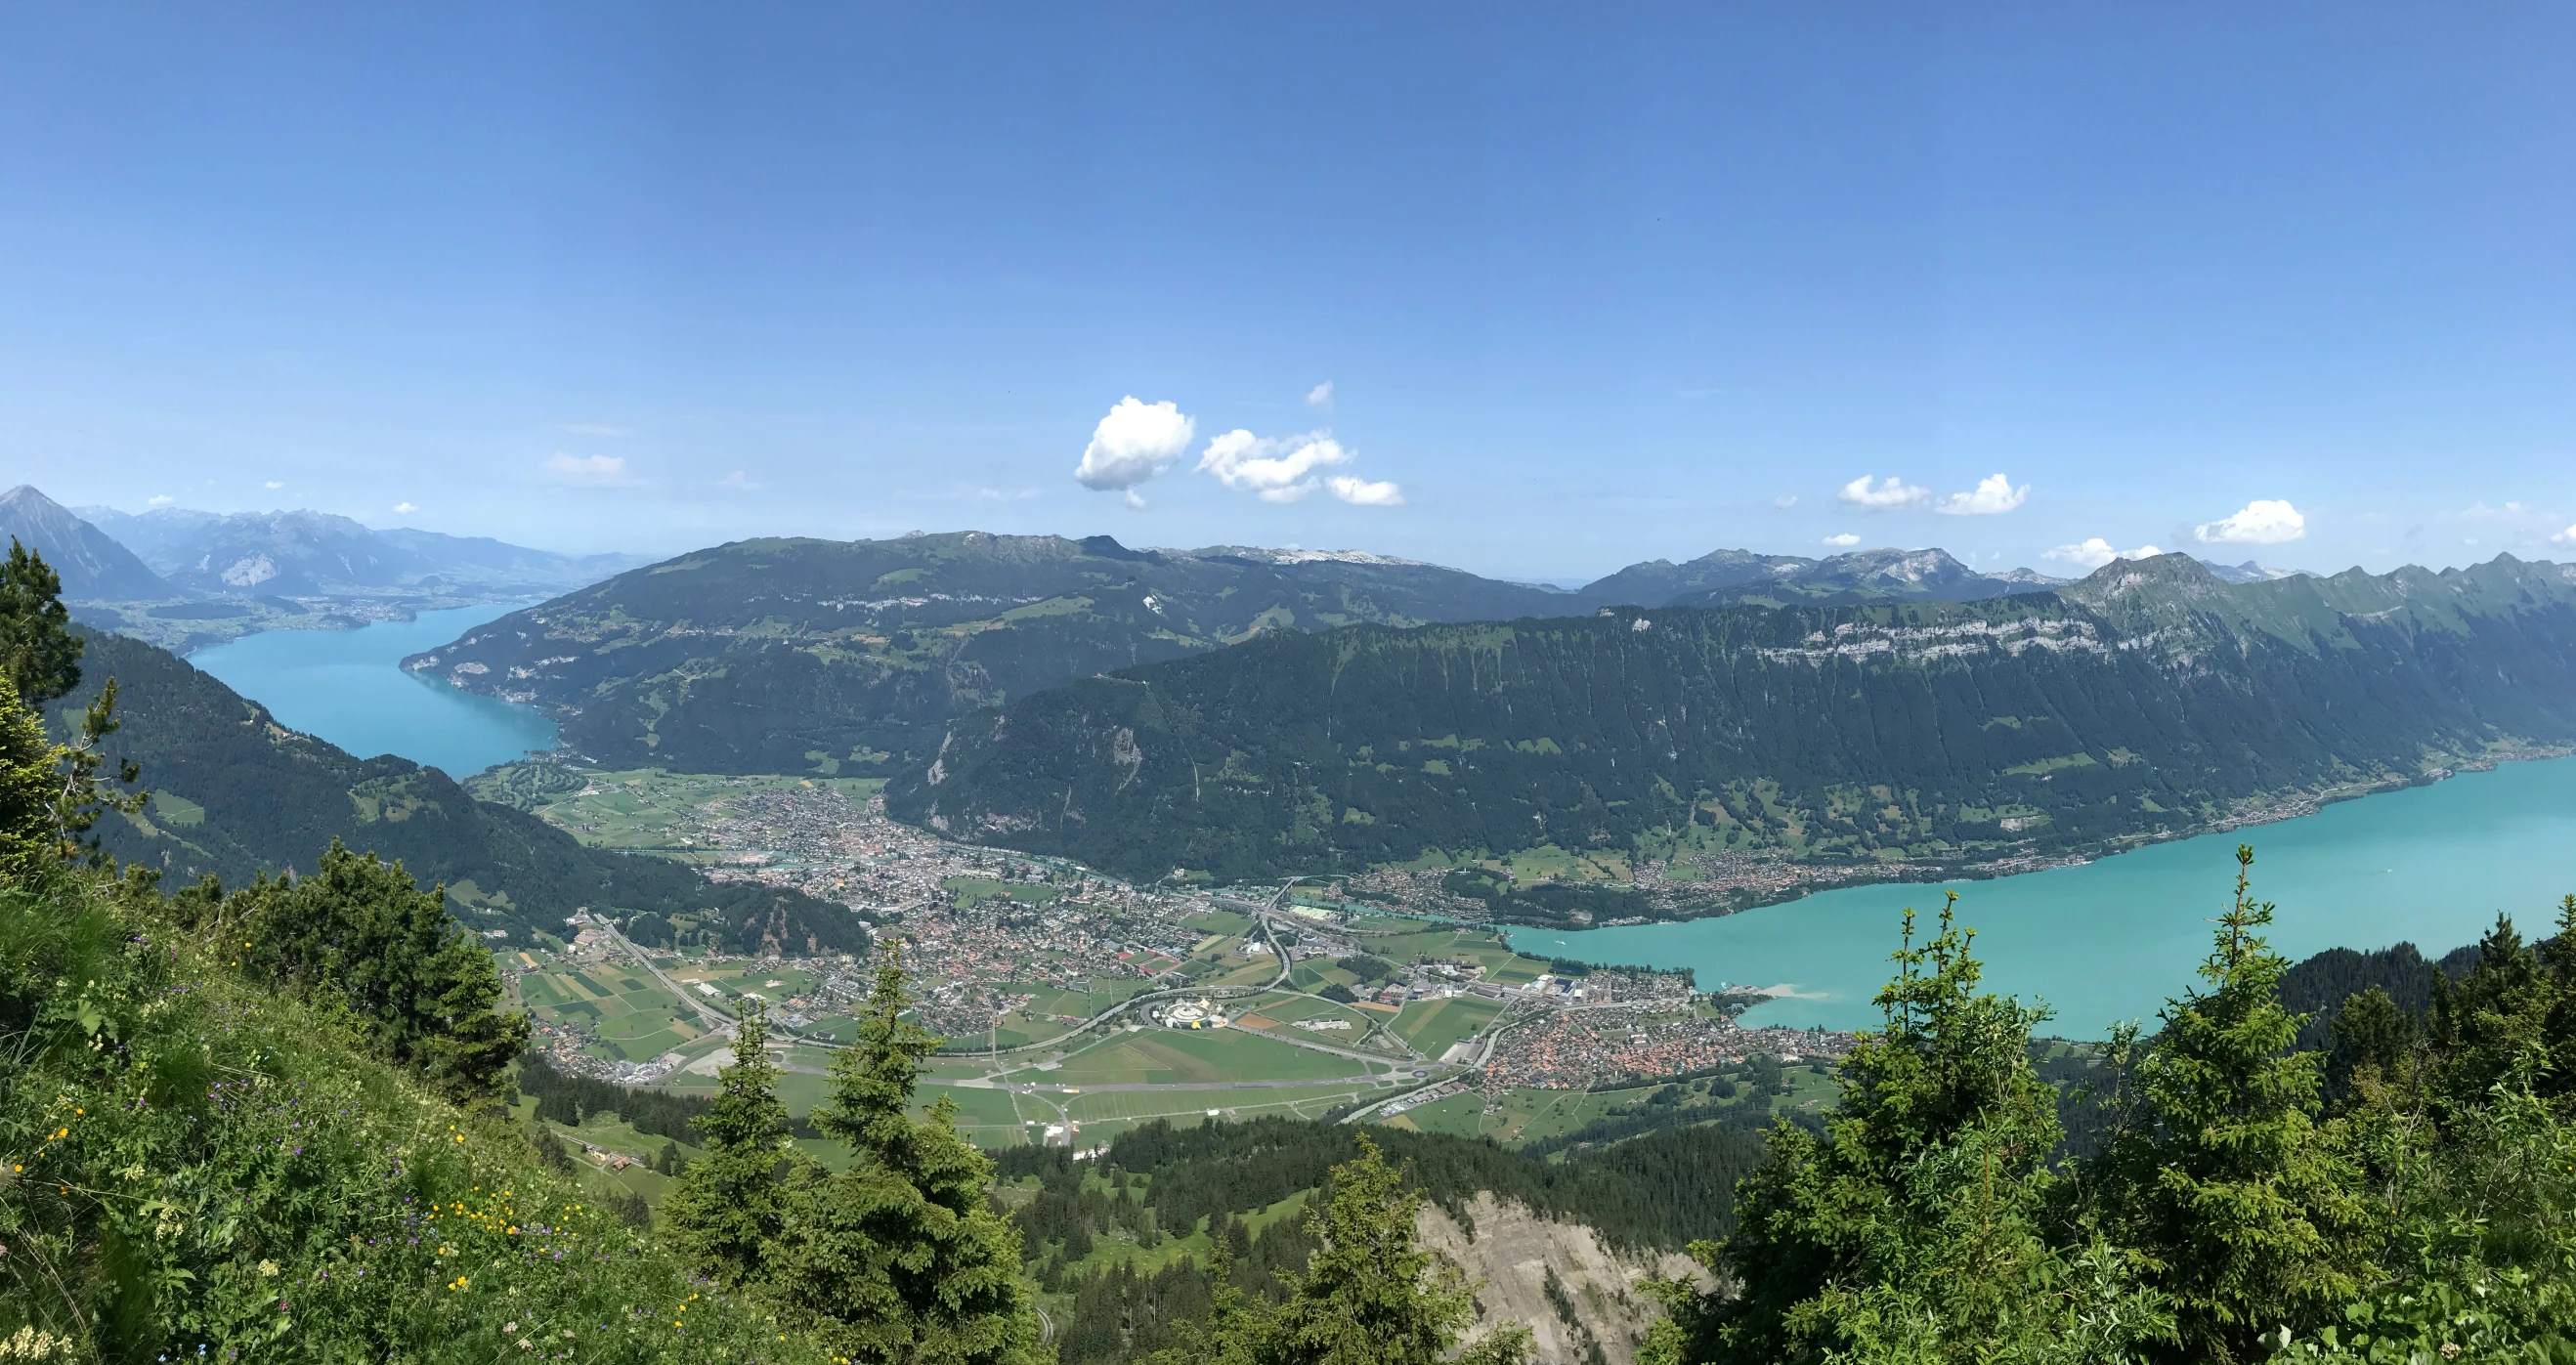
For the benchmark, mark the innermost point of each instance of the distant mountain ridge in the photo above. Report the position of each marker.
(93, 565)
(792, 655)
(2151, 698)
(851, 656)
(1878, 575)
(317, 554)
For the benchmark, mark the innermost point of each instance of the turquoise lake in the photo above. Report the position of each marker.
(2113, 939)
(349, 687)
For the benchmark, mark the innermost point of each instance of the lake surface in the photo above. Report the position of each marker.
(2113, 939)
(349, 687)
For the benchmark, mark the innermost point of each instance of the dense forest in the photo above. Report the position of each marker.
(235, 794)
(2148, 700)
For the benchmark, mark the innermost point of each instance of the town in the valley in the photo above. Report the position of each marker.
(1075, 1004)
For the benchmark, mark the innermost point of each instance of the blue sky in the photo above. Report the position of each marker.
(1589, 284)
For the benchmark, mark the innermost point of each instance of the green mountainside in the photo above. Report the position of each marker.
(851, 657)
(235, 794)
(2149, 699)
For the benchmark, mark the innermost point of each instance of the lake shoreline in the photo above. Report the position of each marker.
(2289, 807)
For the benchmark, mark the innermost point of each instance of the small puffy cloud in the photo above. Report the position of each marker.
(2263, 521)
(1320, 397)
(2566, 537)
(738, 479)
(1785, 501)
(275, 484)
(1845, 540)
(1135, 442)
(1894, 492)
(1280, 470)
(1135, 502)
(1362, 493)
(2096, 552)
(1993, 494)
(405, 508)
(158, 500)
(587, 468)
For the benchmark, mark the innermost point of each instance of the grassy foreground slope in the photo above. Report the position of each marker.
(2149, 699)
(191, 1164)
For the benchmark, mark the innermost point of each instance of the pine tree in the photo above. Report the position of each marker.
(423, 988)
(1917, 1228)
(2220, 1179)
(28, 840)
(729, 1207)
(901, 1259)
(1369, 1295)
(39, 654)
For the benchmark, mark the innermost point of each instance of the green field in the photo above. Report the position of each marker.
(642, 808)
(967, 892)
(1432, 1025)
(1179, 1057)
(628, 1012)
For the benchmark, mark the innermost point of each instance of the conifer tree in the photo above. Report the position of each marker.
(2245, 1212)
(39, 654)
(1916, 1229)
(729, 1206)
(28, 839)
(1369, 1295)
(424, 989)
(901, 1259)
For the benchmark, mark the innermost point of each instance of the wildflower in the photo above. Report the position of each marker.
(509, 1329)
(268, 1270)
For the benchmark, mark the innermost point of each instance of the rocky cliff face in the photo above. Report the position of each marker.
(1572, 1292)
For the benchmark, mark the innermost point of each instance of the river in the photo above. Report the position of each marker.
(2114, 938)
(349, 687)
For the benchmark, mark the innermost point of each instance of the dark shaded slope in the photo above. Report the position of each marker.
(1927, 733)
(236, 793)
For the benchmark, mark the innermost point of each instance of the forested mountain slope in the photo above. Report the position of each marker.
(2150, 698)
(850, 657)
(236, 793)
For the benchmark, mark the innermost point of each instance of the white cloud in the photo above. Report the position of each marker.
(405, 508)
(1320, 398)
(1993, 494)
(588, 468)
(1135, 442)
(1846, 539)
(1280, 470)
(1362, 493)
(273, 483)
(2263, 521)
(159, 500)
(1785, 500)
(1895, 492)
(2096, 552)
(1135, 502)
(2566, 537)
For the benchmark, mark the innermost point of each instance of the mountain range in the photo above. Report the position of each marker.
(316, 554)
(851, 657)
(2149, 699)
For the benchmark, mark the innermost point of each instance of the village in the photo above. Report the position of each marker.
(1009, 949)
